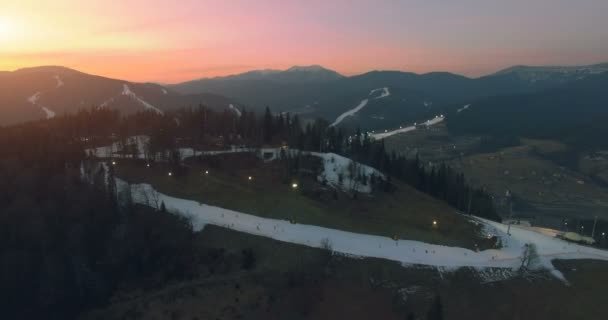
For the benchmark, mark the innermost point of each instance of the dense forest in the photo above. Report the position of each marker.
(65, 244)
(574, 113)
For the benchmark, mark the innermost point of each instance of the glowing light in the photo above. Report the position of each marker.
(6, 28)
(170, 174)
(113, 163)
(250, 178)
(148, 165)
(434, 223)
(294, 185)
(206, 171)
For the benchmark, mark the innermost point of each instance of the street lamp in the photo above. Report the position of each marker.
(206, 171)
(250, 178)
(113, 163)
(170, 173)
(148, 165)
(435, 223)
(294, 185)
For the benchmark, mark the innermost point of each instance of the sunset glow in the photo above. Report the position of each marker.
(161, 41)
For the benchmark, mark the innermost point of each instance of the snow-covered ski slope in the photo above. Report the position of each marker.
(365, 245)
(126, 91)
(385, 93)
(387, 134)
(33, 99)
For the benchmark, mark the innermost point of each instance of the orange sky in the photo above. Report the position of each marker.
(171, 41)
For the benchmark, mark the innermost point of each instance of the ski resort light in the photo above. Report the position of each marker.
(113, 163)
(206, 171)
(294, 185)
(435, 223)
(170, 174)
(250, 178)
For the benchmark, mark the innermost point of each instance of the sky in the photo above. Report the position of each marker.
(173, 41)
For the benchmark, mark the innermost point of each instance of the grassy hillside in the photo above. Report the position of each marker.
(540, 186)
(405, 213)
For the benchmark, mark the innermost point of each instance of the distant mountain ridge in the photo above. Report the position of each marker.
(574, 112)
(296, 74)
(554, 74)
(414, 97)
(45, 92)
(309, 91)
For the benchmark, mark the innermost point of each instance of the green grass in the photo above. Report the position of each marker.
(406, 213)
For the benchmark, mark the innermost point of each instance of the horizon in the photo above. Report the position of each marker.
(304, 66)
(159, 42)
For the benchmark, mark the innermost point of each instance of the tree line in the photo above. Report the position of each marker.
(204, 128)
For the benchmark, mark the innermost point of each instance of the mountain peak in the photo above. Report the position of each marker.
(311, 68)
(52, 69)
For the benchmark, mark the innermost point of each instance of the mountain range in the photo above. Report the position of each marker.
(413, 97)
(309, 91)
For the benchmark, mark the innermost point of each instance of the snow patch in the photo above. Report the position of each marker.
(463, 108)
(59, 81)
(49, 113)
(126, 91)
(235, 109)
(343, 173)
(33, 99)
(164, 91)
(385, 93)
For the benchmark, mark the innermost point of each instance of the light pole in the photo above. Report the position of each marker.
(594, 224)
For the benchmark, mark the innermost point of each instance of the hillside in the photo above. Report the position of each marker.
(46, 92)
(574, 113)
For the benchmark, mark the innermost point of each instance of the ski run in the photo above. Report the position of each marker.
(33, 99)
(126, 91)
(385, 93)
(406, 252)
(428, 123)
